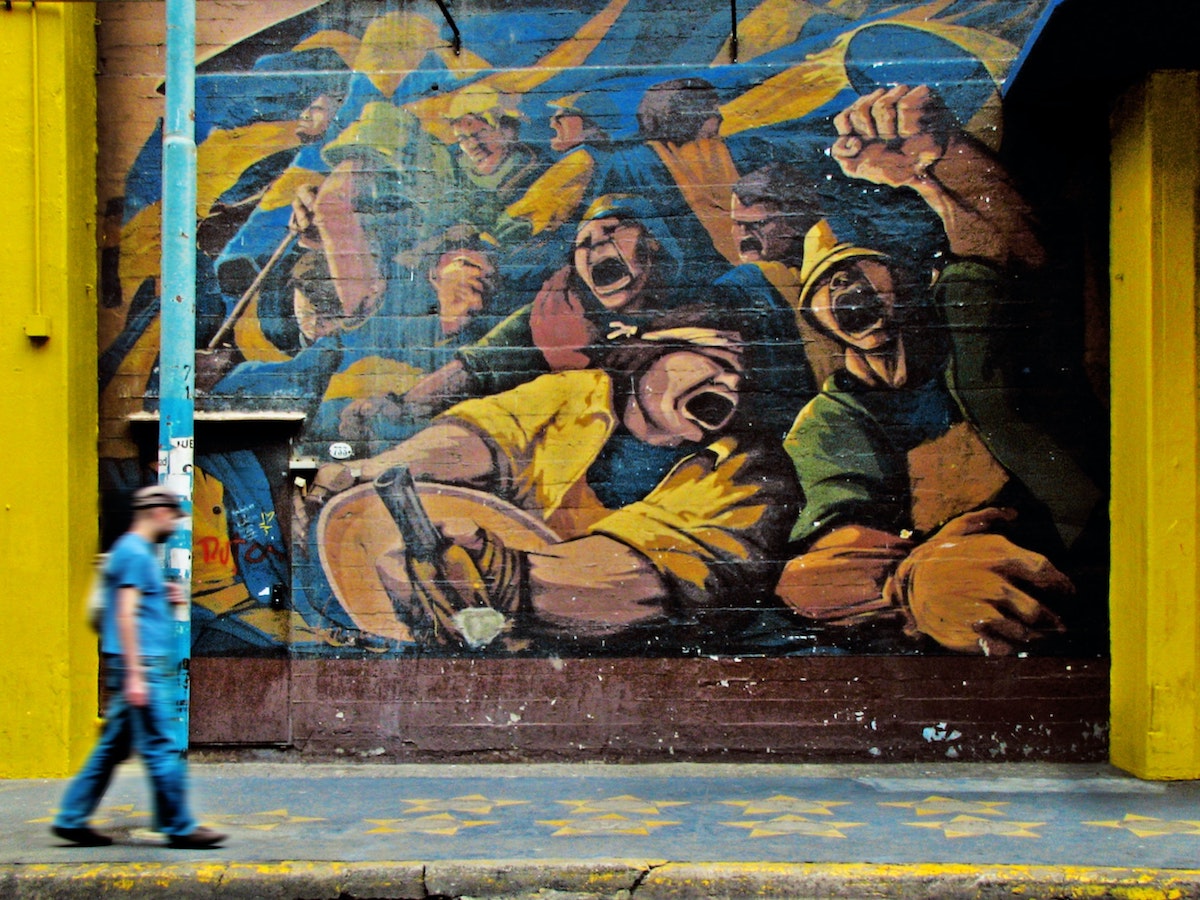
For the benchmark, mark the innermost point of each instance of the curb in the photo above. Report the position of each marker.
(591, 880)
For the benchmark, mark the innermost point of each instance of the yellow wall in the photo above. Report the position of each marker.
(48, 506)
(1155, 582)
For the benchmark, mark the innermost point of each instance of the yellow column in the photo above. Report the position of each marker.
(48, 503)
(1155, 581)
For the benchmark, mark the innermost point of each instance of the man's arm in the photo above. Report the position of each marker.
(594, 586)
(445, 451)
(905, 137)
(967, 586)
(839, 578)
(128, 601)
(435, 393)
(587, 587)
(357, 274)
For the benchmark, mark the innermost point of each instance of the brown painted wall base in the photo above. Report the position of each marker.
(796, 709)
(239, 701)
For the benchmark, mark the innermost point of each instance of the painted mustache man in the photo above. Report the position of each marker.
(623, 507)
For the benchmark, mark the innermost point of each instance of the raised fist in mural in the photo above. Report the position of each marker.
(907, 138)
(464, 281)
(892, 137)
(973, 590)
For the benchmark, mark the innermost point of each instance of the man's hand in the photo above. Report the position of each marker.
(973, 590)
(906, 137)
(357, 421)
(467, 596)
(176, 595)
(213, 365)
(136, 693)
(892, 137)
(303, 221)
(464, 281)
(308, 502)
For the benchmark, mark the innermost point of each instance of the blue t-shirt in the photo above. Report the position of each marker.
(134, 563)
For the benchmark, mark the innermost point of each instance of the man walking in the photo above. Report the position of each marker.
(136, 638)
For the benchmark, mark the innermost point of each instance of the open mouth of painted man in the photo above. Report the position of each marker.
(709, 409)
(750, 246)
(610, 274)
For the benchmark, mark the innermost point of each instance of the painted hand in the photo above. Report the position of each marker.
(464, 282)
(974, 591)
(311, 499)
(302, 221)
(358, 420)
(892, 137)
(469, 595)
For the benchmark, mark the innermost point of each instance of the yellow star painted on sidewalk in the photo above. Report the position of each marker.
(973, 826)
(263, 821)
(1148, 826)
(940, 806)
(626, 804)
(104, 816)
(469, 803)
(789, 824)
(439, 823)
(611, 823)
(782, 803)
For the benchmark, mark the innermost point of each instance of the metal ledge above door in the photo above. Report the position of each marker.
(281, 417)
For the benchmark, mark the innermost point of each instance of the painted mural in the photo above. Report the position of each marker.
(599, 328)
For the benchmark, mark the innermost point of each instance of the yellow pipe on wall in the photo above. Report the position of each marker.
(48, 494)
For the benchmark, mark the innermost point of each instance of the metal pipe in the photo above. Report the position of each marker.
(453, 26)
(177, 354)
(35, 93)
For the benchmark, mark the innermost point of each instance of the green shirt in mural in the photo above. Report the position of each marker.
(852, 445)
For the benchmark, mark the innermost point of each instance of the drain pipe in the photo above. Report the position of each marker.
(177, 354)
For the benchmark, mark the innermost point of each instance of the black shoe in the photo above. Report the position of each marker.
(199, 839)
(82, 837)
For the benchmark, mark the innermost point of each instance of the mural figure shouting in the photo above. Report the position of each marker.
(617, 507)
(622, 263)
(921, 500)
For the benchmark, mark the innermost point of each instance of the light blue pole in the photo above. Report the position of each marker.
(177, 357)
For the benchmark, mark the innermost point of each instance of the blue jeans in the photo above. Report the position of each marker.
(145, 730)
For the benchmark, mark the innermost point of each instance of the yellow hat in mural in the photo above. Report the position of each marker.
(485, 102)
(393, 45)
(823, 251)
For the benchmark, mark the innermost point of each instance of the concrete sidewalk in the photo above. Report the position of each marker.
(314, 830)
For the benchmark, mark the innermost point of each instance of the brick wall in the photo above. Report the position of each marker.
(713, 421)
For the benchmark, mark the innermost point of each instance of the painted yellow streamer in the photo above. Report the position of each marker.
(553, 198)
(432, 111)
